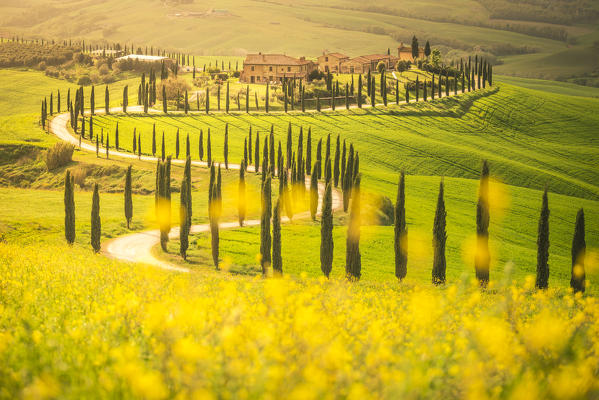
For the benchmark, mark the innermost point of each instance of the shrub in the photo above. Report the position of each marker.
(59, 155)
(84, 81)
(175, 86)
(79, 174)
(103, 69)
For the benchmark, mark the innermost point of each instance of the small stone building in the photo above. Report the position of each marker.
(273, 68)
(331, 62)
(363, 64)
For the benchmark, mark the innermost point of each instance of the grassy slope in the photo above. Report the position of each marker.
(530, 138)
(338, 25)
(564, 88)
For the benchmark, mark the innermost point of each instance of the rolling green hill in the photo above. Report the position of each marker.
(555, 41)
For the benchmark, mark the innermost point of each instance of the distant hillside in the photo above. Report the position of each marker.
(554, 39)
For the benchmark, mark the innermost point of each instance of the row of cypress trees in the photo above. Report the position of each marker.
(69, 208)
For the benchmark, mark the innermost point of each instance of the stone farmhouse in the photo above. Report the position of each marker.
(273, 68)
(331, 62)
(363, 64)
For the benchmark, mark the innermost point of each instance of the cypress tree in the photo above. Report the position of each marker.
(214, 228)
(183, 225)
(154, 140)
(106, 100)
(327, 150)
(326, 232)
(201, 145)
(128, 198)
(336, 163)
(343, 161)
(69, 208)
(482, 257)
(309, 150)
(417, 88)
(271, 145)
(433, 87)
(226, 146)
(266, 101)
(265, 169)
(92, 102)
(125, 99)
(265, 239)
(346, 96)
(424, 91)
(139, 146)
(58, 101)
(163, 148)
(97, 146)
(250, 146)
(353, 259)
(177, 144)
(360, 91)
(257, 153)
(186, 102)
(241, 202)
(577, 282)
(227, 99)
(401, 233)
(277, 260)
(543, 245)
(187, 147)
(134, 142)
(116, 137)
(300, 148)
(302, 91)
(96, 224)
(247, 99)
(289, 145)
(319, 158)
(439, 239)
(245, 150)
(314, 191)
(107, 145)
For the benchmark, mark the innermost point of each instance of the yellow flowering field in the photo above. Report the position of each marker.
(75, 325)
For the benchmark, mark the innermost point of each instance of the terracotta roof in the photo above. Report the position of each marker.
(338, 55)
(370, 57)
(273, 59)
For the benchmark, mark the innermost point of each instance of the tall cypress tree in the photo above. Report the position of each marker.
(187, 147)
(277, 260)
(336, 162)
(116, 137)
(241, 201)
(128, 198)
(92, 102)
(214, 228)
(343, 160)
(227, 99)
(69, 208)
(226, 146)
(309, 150)
(250, 147)
(208, 149)
(271, 145)
(266, 97)
(154, 140)
(183, 224)
(543, 245)
(401, 233)
(360, 91)
(353, 259)
(482, 257)
(177, 144)
(265, 169)
(314, 191)
(163, 148)
(201, 145)
(326, 232)
(96, 225)
(139, 146)
(106, 100)
(125, 98)
(257, 153)
(289, 145)
(439, 239)
(265, 238)
(318, 158)
(577, 282)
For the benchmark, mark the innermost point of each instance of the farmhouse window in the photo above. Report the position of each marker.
(252, 67)
(270, 68)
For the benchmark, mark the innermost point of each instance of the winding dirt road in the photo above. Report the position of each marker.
(137, 247)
